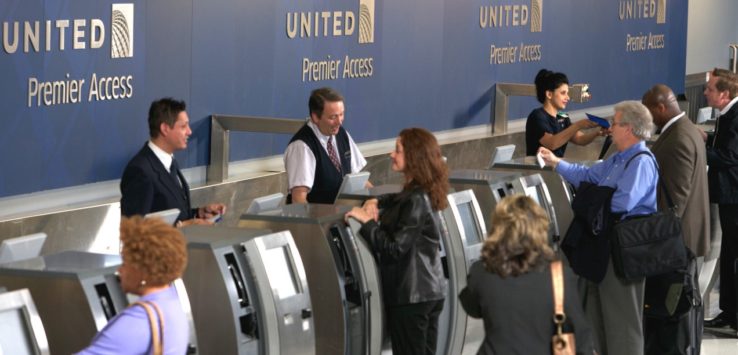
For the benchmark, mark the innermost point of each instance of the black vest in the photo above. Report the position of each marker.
(327, 179)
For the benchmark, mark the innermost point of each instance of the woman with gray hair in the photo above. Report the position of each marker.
(613, 305)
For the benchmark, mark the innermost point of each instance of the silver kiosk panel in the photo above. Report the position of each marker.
(21, 330)
(249, 292)
(489, 187)
(560, 191)
(341, 272)
(466, 233)
(76, 293)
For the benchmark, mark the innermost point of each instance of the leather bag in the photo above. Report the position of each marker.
(561, 343)
(649, 245)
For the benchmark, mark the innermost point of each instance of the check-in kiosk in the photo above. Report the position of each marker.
(76, 294)
(488, 186)
(341, 272)
(466, 233)
(560, 192)
(248, 291)
(21, 329)
(535, 188)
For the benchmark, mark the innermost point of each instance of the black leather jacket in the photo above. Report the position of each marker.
(406, 245)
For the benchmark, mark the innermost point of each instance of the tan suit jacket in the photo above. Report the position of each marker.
(680, 152)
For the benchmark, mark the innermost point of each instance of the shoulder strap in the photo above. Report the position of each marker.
(557, 279)
(157, 332)
(662, 185)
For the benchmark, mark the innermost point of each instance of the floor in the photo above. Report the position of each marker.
(717, 341)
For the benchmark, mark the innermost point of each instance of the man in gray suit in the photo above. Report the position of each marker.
(680, 152)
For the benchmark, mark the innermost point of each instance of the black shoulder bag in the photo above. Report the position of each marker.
(649, 245)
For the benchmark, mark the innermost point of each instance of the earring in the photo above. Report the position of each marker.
(142, 283)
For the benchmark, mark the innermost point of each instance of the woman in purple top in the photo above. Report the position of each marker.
(154, 255)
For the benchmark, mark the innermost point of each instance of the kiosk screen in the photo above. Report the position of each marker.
(472, 235)
(281, 275)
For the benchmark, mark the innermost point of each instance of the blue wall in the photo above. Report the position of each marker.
(430, 67)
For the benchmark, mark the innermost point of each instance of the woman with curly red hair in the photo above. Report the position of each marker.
(154, 255)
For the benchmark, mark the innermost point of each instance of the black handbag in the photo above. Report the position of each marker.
(649, 245)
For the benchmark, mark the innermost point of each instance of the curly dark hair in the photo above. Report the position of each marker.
(547, 80)
(424, 165)
(518, 239)
(155, 248)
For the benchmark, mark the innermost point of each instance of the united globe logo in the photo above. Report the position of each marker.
(121, 34)
(366, 21)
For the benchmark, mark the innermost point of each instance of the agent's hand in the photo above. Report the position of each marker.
(585, 123)
(548, 157)
(211, 210)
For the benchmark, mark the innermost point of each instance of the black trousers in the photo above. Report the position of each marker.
(414, 327)
(728, 255)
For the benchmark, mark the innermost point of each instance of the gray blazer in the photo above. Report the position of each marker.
(680, 152)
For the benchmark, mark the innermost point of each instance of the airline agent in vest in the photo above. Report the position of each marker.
(314, 174)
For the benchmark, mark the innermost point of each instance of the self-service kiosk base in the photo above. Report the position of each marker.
(341, 273)
(249, 292)
(76, 293)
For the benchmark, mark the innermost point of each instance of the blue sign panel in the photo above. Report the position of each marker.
(78, 76)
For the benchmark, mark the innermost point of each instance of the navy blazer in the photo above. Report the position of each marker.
(147, 186)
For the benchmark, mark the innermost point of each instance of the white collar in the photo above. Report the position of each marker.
(671, 121)
(164, 157)
(728, 106)
(321, 137)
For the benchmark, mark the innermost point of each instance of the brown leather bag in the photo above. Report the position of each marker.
(561, 343)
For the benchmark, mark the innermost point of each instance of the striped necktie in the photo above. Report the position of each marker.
(332, 154)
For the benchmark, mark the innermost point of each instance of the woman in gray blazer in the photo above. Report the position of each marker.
(511, 288)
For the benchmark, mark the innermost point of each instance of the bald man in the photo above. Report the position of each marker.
(680, 152)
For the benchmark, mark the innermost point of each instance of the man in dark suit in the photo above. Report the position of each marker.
(721, 93)
(152, 180)
(680, 153)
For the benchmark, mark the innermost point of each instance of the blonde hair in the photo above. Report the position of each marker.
(154, 248)
(518, 238)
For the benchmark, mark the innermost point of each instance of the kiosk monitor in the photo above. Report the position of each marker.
(168, 216)
(265, 203)
(502, 153)
(24, 247)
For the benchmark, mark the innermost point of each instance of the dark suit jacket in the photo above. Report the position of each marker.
(680, 152)
(146, 187)
(723, 160)
(518, 311)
